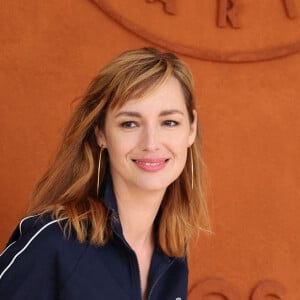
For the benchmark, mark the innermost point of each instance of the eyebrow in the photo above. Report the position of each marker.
(138, 115)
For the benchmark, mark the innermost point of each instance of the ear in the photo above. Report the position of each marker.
(100, 137)
(193, 129)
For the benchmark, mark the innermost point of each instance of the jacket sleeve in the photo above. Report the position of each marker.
(34, 265)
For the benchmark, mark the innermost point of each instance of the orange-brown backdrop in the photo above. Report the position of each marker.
(246, 66)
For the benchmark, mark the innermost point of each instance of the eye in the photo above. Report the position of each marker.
(129, 124)
(170, 123)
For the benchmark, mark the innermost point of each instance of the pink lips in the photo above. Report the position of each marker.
(151, 164)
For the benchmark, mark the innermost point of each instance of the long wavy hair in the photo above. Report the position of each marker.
(68, 188)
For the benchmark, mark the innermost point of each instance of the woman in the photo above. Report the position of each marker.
(114, 213)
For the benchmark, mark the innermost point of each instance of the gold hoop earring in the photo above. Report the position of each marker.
(99, 169)
(192, 165)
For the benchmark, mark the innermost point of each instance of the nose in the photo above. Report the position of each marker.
(150, 138)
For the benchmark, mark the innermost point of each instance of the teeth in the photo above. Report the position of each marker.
(150, 164)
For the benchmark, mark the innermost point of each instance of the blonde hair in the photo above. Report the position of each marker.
(68, 188)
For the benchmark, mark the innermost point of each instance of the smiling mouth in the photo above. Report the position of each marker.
(151, 165)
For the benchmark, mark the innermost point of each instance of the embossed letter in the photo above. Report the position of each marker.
(169, 5)
(228, 12)
(290, 8)
(267, 288)
(210, 287)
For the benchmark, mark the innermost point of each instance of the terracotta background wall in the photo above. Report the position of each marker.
(247, 75)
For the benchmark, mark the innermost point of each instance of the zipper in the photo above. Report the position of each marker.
(137, 267)
(158, 278)
(139, 275)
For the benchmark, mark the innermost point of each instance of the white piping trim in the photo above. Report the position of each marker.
(6, 248)
(20, 231)
(26, 246)
(21, 223)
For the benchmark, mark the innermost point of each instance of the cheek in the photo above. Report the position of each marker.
(181, 157)
(118, 146)
(179, 150)
(180, 141)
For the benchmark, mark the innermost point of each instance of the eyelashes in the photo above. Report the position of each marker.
(129, 124)
(134, 124)
(171, 123)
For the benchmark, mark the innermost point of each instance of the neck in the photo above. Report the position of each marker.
(137, 210)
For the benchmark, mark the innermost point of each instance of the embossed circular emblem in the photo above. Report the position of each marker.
(215, 30)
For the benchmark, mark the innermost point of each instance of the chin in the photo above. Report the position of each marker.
(154, 185)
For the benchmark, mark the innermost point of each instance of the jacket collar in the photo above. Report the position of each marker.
(109, 198)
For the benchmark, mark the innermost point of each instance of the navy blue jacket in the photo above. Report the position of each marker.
(40, 263)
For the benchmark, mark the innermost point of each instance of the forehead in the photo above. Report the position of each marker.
(166, 96)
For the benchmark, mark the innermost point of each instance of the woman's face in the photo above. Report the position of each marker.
(147, 139)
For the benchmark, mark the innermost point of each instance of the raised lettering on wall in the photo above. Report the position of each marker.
(209, 287)
(290, 8)
(265, 289)
(228, 11)
(169, 5)
(268, 288)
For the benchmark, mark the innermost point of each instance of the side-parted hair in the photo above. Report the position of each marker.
(68, 188)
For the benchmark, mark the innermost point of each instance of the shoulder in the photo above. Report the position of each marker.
(38, 243)
(29, 233)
